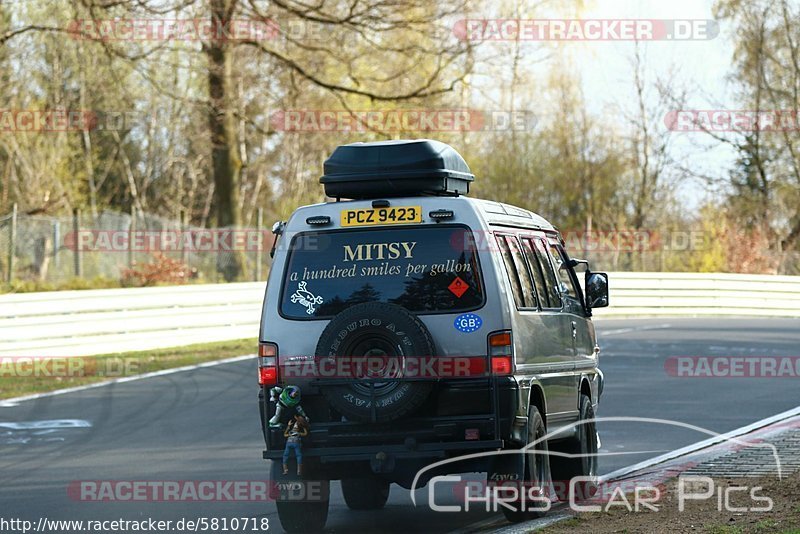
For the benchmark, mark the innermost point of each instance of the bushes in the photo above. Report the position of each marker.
(160, 270)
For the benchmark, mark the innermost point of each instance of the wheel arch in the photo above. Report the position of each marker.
(537, 398)
(586, 389)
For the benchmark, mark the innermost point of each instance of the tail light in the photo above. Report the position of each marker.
(501, 353)
(267, 364)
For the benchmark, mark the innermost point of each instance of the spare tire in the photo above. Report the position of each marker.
(377, 332)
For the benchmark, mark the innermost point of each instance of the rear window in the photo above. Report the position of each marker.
(429, 269)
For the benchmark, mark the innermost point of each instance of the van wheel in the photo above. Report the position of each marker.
(302, 516)
(582, 459)
(374, 340)
(536, 471)
(365, 493)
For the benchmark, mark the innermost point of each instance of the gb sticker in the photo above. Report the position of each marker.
(306, 298)
(468, 322)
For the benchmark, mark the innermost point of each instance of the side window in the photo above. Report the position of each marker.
(536, 269)
(520, 281)
(528, 294)
(551, 284)
(567, 285)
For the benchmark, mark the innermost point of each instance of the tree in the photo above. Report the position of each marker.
(766, 182)
(429, 64)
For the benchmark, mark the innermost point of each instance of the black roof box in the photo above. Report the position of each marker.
(395, 168)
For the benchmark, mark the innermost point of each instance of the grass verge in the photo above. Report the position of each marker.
(19, 376)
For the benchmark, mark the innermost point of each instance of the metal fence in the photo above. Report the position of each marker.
(52, 249)
(47, 249)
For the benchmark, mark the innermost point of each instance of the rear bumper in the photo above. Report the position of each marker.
(458, 411)
(401, 464)
(461, 418)
(381, 452)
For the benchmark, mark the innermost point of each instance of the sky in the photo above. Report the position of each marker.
(704, 63)
(701, 66)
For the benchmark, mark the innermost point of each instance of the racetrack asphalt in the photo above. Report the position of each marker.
(203, 425)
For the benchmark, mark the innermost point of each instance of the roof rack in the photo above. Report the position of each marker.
(395, 168)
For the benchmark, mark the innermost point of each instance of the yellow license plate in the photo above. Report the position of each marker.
(366, 217)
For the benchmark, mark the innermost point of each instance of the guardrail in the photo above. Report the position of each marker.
(71, 323)
(104, 321)
(703, 294)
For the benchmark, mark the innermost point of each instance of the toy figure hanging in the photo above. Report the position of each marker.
(288, 400)
(295, 431)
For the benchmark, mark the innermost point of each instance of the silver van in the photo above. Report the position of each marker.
(406, 323)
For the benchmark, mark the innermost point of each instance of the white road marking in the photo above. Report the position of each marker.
(10, 403)
(628, 453)
(46, 424)
(632, 329)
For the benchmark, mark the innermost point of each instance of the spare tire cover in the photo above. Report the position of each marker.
(382, 334)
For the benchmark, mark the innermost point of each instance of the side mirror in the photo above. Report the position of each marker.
(596, 290)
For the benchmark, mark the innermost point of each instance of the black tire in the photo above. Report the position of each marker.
(582, 459)
(302, 516)
(365, 493)
(302, 502)
(536, 469)
(376, 331)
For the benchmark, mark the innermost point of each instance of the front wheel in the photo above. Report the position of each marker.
(579, 459)
(536, 478)
(365, 493)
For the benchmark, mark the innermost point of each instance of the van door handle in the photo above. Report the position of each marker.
(574, 331)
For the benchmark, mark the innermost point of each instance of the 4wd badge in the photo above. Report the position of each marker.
(468, 322)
